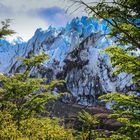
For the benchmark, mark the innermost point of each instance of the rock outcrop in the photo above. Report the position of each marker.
(75, 55)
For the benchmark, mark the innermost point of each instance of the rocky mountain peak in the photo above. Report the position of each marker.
(75, 55)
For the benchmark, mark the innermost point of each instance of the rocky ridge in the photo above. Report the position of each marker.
(76, 56)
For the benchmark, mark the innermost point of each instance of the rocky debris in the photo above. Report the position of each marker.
(69, 114)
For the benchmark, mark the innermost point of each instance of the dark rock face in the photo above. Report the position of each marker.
(76, 56)
(87, 72)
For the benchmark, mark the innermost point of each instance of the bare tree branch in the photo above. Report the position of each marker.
(114, 24)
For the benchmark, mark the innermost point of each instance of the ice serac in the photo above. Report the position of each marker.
(76, 56)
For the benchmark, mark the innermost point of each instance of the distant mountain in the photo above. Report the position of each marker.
(76, 56)
(14, 39)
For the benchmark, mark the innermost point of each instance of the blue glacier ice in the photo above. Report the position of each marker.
(74, 55)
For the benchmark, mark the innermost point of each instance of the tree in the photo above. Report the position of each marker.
(4, 31)
(121, 15)
(126, 110)
(89, 123)
(45, 129)
(23, 99)
(33, 128)
(23, 96)
(123, 18)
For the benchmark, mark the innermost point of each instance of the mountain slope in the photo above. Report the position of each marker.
(75, 55)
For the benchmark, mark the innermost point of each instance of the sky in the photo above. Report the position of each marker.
(28, 15)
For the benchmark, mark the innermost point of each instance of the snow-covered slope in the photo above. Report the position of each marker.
(75, 56)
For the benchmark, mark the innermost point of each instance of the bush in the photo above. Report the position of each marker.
(8, 128)
(32, 129)
(45, 129)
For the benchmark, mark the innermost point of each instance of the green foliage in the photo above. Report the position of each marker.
(34, 60)
(126, 110)
(4, 30)
(87, 119)
(123, 104)
(123, 61)
(24, 96)
(45, 129)
(123, 18)
(23, 99)
(115, 137)
(32, 129)
(8, 128)
(89, 123)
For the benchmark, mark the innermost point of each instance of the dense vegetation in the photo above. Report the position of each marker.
(123, 18)
(23, 100)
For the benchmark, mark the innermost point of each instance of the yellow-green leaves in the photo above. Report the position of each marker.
(32, 129)
(89, 122)
(24, 96)
(124, 61)
(87, 119)
(34, 60)
(4, 30)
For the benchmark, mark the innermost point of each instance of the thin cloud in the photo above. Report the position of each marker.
(54, 15)
(5, 10)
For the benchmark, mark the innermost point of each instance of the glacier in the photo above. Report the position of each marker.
(75, 55)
